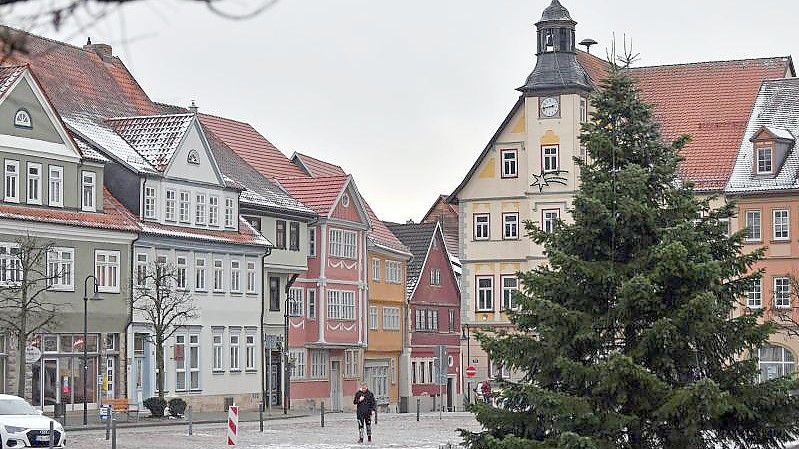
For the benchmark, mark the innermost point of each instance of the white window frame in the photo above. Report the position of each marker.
(218, 350)
(482, 226)
(219, 276)
(199, 209)
(200, 280)
(213, 210)
(181, 273)
(150, 198)
(393, 272)
(11, 171)
(318, 361)
(249, 351)
(391, 318)
(296, 301)
(34, 183)
(55, 186)
(311, 241)
(181, 363)
(343, 243)
(550, 159)
(759, 153)
(107, 273)
(88, 185)
(184, 206)
(298, 369)
(549, 219)
(341, 305)
(234, 342)
(376, 269)
(235, 276)
(141, 269)
(782, 292)
(194, 361)
(10, 264)
(170, 199)
(781, 224)
(754, 296)
(251, 277)
(352, 362)
(311, 311)
(435, 276)
(754, 225)
(510, 165)
(508, 302)
(230, 209)
(485, 294)
(373, 318)
(61, 270)
(510, 226)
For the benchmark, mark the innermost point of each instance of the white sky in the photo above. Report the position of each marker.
(403, 94)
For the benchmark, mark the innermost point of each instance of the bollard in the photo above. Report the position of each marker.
(418, 406)
(52, 435)
(261, 416)
(113, 434)
(191, 422)
(434, 403)
(375, 416)
(108, 428)
(322, 412)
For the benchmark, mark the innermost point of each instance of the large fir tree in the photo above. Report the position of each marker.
(631, 335)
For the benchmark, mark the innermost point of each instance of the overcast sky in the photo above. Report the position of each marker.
(403, 94)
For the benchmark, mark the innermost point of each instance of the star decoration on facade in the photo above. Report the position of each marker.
(549, 177)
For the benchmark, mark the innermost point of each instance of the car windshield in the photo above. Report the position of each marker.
(15, 407)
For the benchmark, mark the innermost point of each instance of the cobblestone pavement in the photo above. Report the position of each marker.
(393, 431)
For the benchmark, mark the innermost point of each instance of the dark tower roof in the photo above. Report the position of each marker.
(556, 67)
(556, 11)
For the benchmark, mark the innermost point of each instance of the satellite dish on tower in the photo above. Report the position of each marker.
(587, 43)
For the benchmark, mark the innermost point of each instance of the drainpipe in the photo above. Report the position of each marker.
(130, 317)
(264, 395)
(286, 369)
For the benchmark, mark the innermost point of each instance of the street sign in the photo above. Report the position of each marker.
(471, 371)
(32, 354)
(441, 364)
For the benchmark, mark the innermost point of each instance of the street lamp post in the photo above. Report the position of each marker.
(465, 336)
(95, 297)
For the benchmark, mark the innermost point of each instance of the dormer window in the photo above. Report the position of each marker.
(764, 160)
(771, 147)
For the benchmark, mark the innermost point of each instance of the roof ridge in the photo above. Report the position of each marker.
(228, 119)
(187, 114)
(719, 61)
(48, 39)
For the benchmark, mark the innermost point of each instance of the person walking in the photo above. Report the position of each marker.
(365, 405)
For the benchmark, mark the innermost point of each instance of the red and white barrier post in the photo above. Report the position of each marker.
(232, 425)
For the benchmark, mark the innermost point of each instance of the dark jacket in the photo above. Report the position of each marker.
(367, 405)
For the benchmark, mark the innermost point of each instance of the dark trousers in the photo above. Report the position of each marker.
(364, 419)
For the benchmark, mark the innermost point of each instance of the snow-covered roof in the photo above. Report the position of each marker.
(155, 137)
(779, 133)
(777, 109)
(101, 136)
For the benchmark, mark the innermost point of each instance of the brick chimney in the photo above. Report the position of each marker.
(104, 51)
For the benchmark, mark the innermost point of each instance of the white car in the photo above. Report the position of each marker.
(23, 426)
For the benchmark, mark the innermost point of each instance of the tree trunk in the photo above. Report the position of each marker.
(159, 360)
(21, 368)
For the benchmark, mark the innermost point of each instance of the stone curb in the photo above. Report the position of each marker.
(177, 422)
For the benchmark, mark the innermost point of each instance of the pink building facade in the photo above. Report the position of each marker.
(327, 304)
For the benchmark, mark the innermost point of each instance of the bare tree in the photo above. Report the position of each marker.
(163, 306)
(24, 282)
(787, 318)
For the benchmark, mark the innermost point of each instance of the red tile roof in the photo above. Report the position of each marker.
(381, 235)
(78, 80)
(114, 216)
(316, 168)
(251, 146)
(319, 194)
(710, 101)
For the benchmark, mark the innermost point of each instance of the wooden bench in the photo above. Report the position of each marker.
(122, 405)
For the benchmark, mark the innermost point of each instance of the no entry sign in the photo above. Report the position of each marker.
(471, 371)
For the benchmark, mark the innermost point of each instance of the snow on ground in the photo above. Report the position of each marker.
(393, 431)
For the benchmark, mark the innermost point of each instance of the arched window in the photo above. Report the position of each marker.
(775, 361)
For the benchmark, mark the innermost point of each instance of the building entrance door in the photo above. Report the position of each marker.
(335, 386)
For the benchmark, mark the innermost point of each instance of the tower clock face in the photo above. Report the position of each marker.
(550, 106)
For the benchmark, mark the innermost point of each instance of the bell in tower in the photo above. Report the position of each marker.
(556, 67)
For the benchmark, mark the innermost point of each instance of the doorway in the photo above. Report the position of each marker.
(335, 386)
